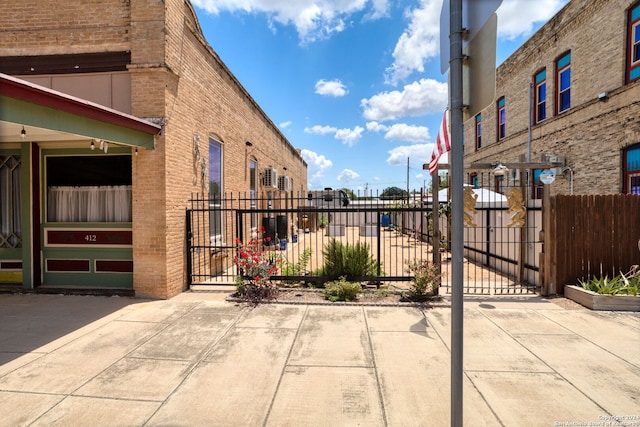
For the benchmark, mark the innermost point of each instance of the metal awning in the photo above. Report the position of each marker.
(50, 116)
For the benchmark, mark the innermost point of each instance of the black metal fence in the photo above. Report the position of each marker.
(298, 230)
(501, 257)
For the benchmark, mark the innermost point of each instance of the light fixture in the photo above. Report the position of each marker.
(93, 145)
(106, 147)
(101, 144)
(23, 133)
(501, 170)
(136, 151)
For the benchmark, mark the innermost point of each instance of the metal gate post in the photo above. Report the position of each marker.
(189, 236)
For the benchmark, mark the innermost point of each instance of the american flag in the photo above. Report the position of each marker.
(443, 144)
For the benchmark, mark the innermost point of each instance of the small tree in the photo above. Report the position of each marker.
(393, 193)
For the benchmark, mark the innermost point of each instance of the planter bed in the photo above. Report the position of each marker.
(596, 301)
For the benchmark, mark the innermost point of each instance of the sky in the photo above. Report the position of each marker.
(355, 84)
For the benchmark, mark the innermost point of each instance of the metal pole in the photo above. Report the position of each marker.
(457, 211)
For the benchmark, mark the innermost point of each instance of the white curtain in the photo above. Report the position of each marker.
(89, 204)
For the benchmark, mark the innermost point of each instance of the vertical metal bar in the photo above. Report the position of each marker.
(189, 249)
(457, 224)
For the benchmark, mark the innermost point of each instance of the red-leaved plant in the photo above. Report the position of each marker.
(255, 268)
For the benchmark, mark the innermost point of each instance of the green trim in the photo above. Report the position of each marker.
(29, 114)
(27, 223)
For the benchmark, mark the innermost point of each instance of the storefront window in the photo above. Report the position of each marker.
(88, 188)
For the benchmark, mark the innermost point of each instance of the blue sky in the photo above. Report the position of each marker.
(355, 84)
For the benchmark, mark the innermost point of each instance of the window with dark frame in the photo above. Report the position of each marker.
(563, 83)
(540, 95)
(631, 170)
(473, 180)
(502, 119)
(633, 44)
(478, 131)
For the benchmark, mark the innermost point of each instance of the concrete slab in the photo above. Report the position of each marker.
(414, 373)
(21, 409)
(234, 385)
(401, 319)
(158, 311)
(535, 399)
(133, 378)
(332, 337)
(187, 337)
(341, 397)
(81, 411)
(523, 302)
(274, 316)
(596, 372)
(618, 333)
(69, 367)
(524, 322)
(486, 346)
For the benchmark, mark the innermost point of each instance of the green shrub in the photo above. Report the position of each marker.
(296, 269)
(348, 260)
(341, 290)
(426, 280)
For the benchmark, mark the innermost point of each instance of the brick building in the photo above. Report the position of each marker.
(135, 61)
(579, 79)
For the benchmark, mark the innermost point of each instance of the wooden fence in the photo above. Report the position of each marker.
(592, 235)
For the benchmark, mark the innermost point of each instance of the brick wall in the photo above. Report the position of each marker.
(175, 77)
(592, 134)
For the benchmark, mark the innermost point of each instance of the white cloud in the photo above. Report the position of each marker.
(286, 124)
(416, 99)
(313, 19)
(419, 42)
(317, 165)
(321, 130)
(349, 136)
(376, 127)
(418, 153)
(404, 132)
(330, 88)
(517, 17)
(348, 175)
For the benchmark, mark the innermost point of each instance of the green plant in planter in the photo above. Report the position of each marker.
(631, 281)
(426, 280)
(341, 290)
(602, 285)
(322, 221)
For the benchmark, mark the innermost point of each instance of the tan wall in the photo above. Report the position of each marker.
(177, 78)
(592, 133)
